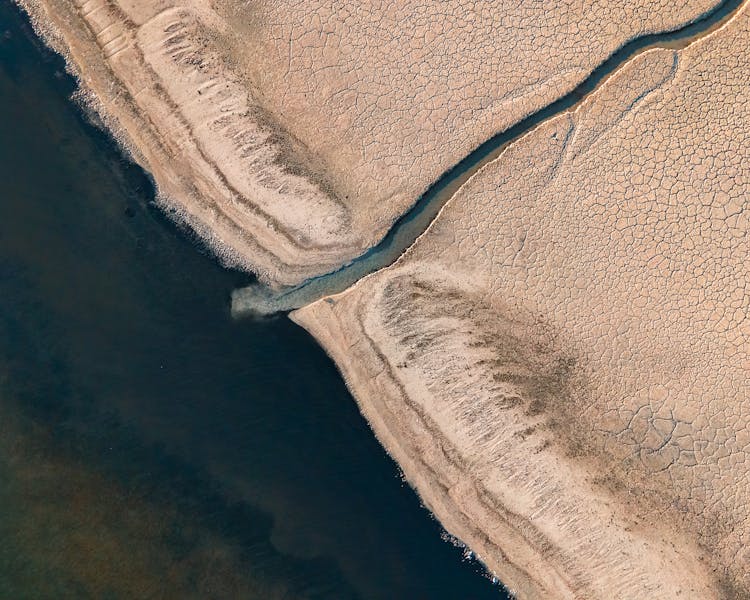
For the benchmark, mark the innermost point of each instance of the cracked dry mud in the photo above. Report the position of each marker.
(560, 364)
(291, 135)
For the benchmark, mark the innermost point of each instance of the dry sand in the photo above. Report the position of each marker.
(561, 363)
(292, 134)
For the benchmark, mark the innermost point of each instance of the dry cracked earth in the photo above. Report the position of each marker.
(291, 135)
(560, 363)
(573, 332)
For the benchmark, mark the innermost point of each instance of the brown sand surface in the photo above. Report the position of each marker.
(561, 362)
(292, 134)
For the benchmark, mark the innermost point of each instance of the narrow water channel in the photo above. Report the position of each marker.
(257, 298)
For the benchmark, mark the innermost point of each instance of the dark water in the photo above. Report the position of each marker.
(150, 446)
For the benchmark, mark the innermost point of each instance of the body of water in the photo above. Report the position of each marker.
(150, 445)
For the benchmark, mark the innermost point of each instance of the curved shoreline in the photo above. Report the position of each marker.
(239, 232)
(438, 350)
(260, 299)
(440, 481)
(446, 490)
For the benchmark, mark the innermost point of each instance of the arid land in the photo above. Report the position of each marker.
(560, 364)
(291, 135)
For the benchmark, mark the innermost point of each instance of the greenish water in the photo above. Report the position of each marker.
(151, 446)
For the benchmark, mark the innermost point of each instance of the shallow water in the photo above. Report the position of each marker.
(151, 446)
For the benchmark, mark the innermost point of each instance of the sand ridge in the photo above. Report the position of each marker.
(560, 363)
(292, 135)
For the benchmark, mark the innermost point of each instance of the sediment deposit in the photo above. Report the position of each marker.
(561, 363)
(291, 135)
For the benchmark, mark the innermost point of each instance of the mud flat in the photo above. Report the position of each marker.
(292, 135)
(561, 362)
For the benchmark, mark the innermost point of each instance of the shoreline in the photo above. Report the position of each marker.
(443, 487)
(95, 265)
(387, 383)
(513, 549)
(217, 224)
(433, 483)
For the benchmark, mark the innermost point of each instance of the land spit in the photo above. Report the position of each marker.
(292, 135)
(561, 362)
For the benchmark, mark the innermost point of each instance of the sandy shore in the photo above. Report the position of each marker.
(561, 363)
(291, 136)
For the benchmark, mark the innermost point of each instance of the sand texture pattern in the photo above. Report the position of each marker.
(291, 135)
(561, 362)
